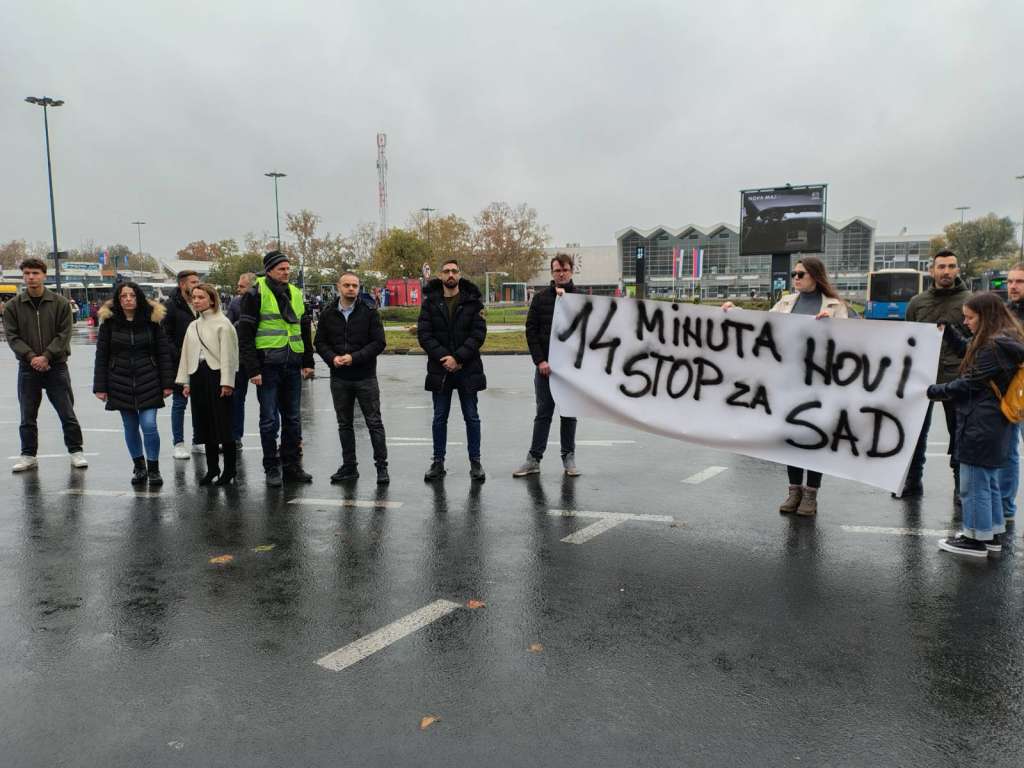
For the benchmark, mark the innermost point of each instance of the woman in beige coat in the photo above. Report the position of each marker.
(812, 294)
(209, 361)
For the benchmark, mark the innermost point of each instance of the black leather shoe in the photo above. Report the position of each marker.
(294, 473)
(383, 478)
(436, 472)
(345, 472)
(139, 474)
(153, 472)
(274, 479)
(476, 472)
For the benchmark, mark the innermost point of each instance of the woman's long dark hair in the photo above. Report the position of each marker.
(816, 269)
(993, 319)
(143, 310)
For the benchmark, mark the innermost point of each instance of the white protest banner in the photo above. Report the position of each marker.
(842, 397)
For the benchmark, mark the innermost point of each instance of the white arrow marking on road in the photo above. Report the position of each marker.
(704, 474)
(134, 494)
(895, 531)
(376, 641)
(605, 522)
(374, 504)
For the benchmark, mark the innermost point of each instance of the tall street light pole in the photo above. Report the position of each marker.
(275, 175)
(428, 211)
(963, 209)
(44, 102)
(1021, 178)
(139, 225)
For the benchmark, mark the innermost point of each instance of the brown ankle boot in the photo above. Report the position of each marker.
(808, 503)
(792, 501)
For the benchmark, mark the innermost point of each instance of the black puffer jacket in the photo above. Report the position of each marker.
(361, 336)
(133, 360)
(983, 434)
(462, 336)
(538, 321)
(1016, 309)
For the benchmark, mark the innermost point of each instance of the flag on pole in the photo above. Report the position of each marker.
(693, 272)
(675, 261)
(700, 264)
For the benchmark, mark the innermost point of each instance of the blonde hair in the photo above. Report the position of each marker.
(210, 291)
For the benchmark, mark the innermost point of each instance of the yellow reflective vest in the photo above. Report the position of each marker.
(273, 331)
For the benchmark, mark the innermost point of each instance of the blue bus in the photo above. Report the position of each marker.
(890, 290)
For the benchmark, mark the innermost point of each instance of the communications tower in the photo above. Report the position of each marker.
(382, 182)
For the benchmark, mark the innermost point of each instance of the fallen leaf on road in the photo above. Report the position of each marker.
(536, 648)
(474, 604)
(427, 721)
(263, 548)
(221, 559)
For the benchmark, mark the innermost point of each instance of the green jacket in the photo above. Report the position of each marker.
(46, 332)
(942, 305)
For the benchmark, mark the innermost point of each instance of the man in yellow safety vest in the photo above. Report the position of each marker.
(275, 349)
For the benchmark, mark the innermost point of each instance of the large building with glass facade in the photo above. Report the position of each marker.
(902, 251)
(848, 256)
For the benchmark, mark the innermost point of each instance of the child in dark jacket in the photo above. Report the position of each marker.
(983, 434)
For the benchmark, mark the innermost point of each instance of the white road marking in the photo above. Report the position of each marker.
(373, 504)
(377, 641)
(417, 407)
(94, 429)
(936, 455)
(598, 443)
(895, 531)
(136, 494)
(54, 455)
(605, 522)
(704, 474)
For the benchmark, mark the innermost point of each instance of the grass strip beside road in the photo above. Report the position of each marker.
(403, 342)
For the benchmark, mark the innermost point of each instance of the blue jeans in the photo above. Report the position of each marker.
(1009, 475)
(238, 405)
(442, 407)
(982, 502)
(133, 422)
(178, 404)
(280, 398)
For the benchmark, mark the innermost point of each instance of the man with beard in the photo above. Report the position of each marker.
(1009, 475)
(942, 305)
(276, 351)
(451, 330)
(177, 320)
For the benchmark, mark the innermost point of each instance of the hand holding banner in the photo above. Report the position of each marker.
(842, 397)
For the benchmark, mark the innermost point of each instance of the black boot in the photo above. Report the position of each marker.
(139, 473)
(294, 473)
(476, 471)
(383, 478)
(230, 464)
(153, 472)
(436, 471)
(212, 465)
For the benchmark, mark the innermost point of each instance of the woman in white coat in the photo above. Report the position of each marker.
(209, 361)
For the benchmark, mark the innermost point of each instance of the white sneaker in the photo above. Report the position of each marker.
(78, 460)
(181, 451)
(198, 448)
(24, 463)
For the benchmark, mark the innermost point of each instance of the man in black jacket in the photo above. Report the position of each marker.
(451, 329)
(538, 337)
(349, 338)
(1008, 476)
(179, 317)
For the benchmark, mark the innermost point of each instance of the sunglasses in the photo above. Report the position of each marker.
(797, 274)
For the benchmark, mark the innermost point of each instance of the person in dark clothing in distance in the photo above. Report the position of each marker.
(275, 348)
(991, 358)
(134, 373)
(451, 329)
(38, 326)
(538, 337)
(234, 312)
(941, 304)
(177, 320)
(349, 338)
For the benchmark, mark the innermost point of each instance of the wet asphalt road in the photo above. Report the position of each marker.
(733, 636)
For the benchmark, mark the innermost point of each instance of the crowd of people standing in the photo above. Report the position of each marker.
(205, 359)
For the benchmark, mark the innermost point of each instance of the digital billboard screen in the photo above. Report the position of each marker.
(782, 220)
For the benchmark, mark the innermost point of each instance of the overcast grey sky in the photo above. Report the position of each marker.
(600, 115)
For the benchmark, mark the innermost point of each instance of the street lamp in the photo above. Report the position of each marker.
(1021, 178)
(275, 175)
(428, 211)
(963, 209)
(45, 102)
(487, 284)
(139, 225)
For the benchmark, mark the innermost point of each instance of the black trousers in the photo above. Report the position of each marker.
(57, 383)
(367, 392)
(915, 474)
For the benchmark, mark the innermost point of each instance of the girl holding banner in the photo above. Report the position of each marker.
(813, 295)
(991, 359)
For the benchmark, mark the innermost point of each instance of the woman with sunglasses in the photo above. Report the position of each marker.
(813, 295)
